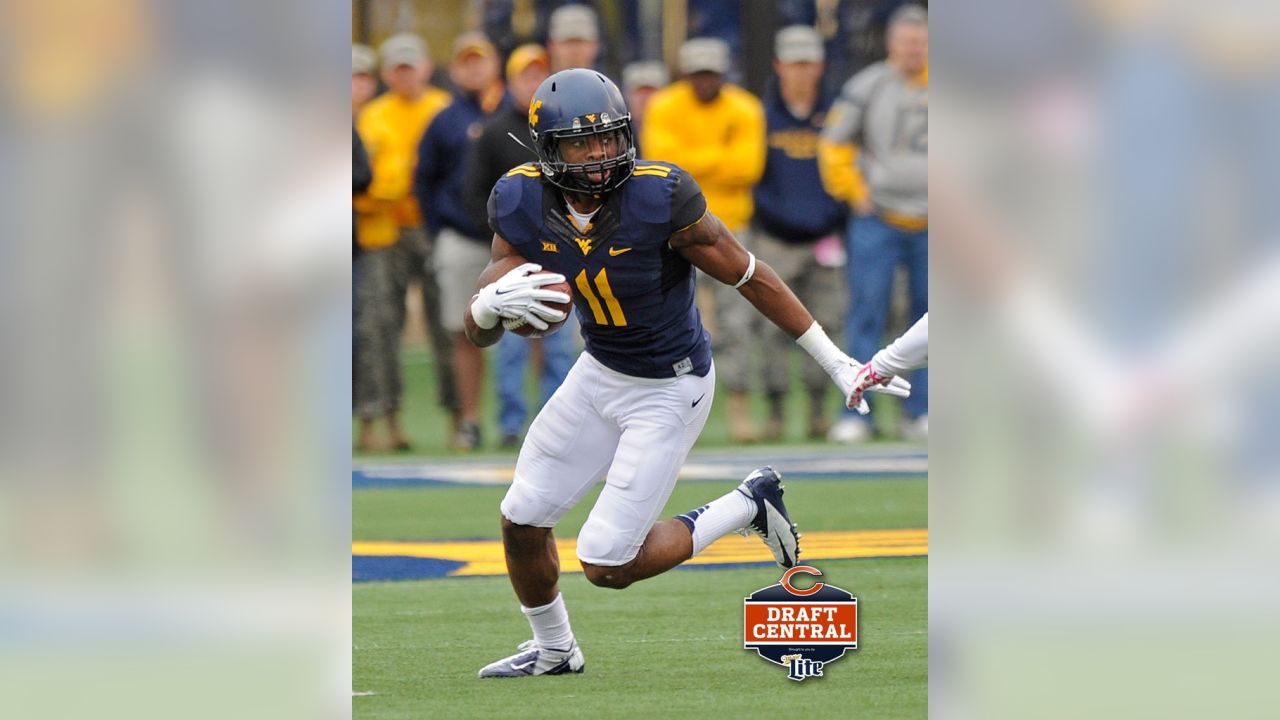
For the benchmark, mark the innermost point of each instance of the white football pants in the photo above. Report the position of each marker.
(638, 430)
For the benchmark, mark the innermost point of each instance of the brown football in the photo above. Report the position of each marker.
(523, 329)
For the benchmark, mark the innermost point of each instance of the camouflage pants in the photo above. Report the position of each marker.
(418, 261)
(382, 281)
(737, 325)
(823, 292)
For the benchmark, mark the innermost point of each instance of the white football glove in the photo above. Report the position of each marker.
(519, 294)
(865, 380)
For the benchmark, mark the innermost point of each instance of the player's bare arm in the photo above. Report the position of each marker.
(713, 249)
(510, 293)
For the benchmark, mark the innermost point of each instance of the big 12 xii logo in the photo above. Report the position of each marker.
(803, 630)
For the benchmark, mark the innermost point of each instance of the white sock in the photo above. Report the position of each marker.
(718, 518)
(550, 624)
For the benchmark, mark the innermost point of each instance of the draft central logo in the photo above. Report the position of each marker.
(802, 629)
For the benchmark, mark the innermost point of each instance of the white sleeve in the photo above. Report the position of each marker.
(907, 353)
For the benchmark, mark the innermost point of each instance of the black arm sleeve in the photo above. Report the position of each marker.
(492, 207)
(361, 174)
(476, 185)
(688, 204)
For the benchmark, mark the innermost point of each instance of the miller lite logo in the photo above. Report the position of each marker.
(801, 629)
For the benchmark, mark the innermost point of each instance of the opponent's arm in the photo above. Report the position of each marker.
(712, 248)
(510, 293)
(908, 352)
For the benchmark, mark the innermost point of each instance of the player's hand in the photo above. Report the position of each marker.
(849, 377)
(865, 380)
(518, 293)
(530, 319)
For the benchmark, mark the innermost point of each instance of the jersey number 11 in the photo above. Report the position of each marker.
(593, 298)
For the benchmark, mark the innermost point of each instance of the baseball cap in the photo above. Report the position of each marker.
(363, 60)
(704, 54)
(472, 43)
(648, 73)
(573, 22)
(403, 49)
(524, 56)
(798, 43)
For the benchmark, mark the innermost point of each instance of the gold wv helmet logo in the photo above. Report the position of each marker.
(533, 112)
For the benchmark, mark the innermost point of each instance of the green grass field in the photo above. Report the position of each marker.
(667, 647)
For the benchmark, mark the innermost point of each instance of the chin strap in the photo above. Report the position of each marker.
(751, 270)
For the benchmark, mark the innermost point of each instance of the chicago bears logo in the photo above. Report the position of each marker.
(584, 244)
(802, 629)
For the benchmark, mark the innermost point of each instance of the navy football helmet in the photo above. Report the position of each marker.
(580, 104)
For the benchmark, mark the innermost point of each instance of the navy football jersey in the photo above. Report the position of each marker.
(634, 295)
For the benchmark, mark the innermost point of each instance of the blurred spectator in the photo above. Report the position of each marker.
(461, 244)
(361, 176)
(882, 120)
(853, 31)
(720, 19)
(716, 132)
(364, 80)
(492, 155)
(573, 38)
(796, 227)
(640, 80)
(390, 230)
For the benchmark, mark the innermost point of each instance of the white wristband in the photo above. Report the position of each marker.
(819, 346)
(484, 316)
(751, 270)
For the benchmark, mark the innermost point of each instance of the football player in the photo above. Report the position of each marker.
(627, 235)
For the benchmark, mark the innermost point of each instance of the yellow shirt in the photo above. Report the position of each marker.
(721, 144)
(391, 128)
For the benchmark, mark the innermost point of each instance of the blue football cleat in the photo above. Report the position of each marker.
(533, 660)
(771, 522)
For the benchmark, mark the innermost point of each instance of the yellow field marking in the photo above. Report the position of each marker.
(484, 557)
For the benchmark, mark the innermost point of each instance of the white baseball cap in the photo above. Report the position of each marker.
(704, 54)
(364, 61)
(403, 49)
(573, 22)
(648, 73)
(798, 43)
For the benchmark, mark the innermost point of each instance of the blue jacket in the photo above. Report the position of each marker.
(438, 178)
(790, 201)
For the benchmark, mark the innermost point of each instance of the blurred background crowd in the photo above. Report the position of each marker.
(805, 122)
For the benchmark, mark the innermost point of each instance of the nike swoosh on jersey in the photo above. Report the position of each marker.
(614, 252)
